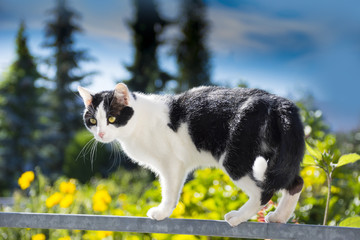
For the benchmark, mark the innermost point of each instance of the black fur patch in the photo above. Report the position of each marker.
(244, 124)
(207, 116)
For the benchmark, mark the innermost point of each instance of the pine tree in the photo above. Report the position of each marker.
(193, 57)
(18, 116)
(147, 28)
(65, 106)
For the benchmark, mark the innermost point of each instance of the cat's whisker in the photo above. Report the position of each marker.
(91, 147)
(93, 154)
(122, 156)
(114, 152)
(84, 151)
(119, 152)
(111, 150)
(112, 155)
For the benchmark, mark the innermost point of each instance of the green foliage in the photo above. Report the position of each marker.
(85, 157)
(351, 222)
(322, 158)
(19, 123)
(313, 119)
(64, 105)
(147, 27)
(349, 141)
(328, 159)
(347, 159)
(193, 57)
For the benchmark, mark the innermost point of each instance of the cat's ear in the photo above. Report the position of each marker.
(122, 93)
(86, 95)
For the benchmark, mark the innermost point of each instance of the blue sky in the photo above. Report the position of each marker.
(286, 47)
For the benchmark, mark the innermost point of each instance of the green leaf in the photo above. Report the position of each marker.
(348, 158)
(309, 161)
(351, 222)
(313, 152)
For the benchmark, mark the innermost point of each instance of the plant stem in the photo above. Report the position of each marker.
(329, 179)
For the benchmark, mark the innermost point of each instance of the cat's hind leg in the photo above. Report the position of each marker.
(287, 204)
(251, 207)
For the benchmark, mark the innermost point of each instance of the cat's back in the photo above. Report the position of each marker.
(213, 101)
(218, 95)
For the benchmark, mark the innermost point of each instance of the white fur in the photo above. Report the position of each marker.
(251, 207)
(159, 147)
(170, 155)
(285, 208)
(86, 96)
(259, 168)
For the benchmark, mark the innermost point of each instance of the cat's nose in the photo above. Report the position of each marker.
(101, 134)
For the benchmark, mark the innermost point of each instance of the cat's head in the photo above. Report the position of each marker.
(106, 112)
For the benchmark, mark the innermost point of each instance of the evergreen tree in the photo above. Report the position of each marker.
(191, 50)
(18, 115)
(65, 107)
(147, 28)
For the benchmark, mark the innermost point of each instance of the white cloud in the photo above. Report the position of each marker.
(230, 29)
(108, 20)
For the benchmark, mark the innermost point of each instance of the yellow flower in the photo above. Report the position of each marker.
(66, 201)
(133, 237)
(187, 196)
(184, 237)
(53, 199)
(101, 199)
(39, 236)
(102, 195)
(25, 179)
(68, 187)
(103, 234)
(179, 210)
(100, 206)
(65, 238)
(312, 175)
(159, 236)
(23, 183)
(117, 212)
(29, 175)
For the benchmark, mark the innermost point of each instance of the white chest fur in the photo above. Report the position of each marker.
(153, 144)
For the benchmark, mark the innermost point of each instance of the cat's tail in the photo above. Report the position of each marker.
(285, 169)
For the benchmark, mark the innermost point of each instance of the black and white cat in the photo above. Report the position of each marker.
(257, 138)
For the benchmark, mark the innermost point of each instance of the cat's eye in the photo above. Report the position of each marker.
(112, 119)
(93, 121)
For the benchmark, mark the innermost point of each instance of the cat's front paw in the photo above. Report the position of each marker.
(234, 218)
(159, 213)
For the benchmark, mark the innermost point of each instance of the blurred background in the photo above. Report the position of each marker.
(304, 50)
